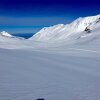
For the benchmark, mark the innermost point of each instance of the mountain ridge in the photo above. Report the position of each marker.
(61, 31)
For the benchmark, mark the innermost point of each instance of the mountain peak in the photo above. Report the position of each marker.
(6, 34)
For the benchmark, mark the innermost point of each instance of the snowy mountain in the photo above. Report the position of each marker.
(44, 66)
(6, 36)
(77, 28)
(4, 33)
(81, 31)
(9, 41)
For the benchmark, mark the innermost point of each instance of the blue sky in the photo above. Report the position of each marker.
(29, 16)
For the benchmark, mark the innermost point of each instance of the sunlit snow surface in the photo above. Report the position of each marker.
(67, 68)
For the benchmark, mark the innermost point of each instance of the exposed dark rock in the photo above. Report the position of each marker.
(98, 20)
(87, 30)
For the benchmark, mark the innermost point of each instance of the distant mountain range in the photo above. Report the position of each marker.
(82, 30)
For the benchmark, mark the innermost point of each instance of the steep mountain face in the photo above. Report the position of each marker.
(81, 27)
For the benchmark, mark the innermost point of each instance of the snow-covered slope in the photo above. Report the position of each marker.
(9, 41)
(4, 33)
(41, 69)
(65, 32)
(82, 30)
(61, 75)
(6, 36)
